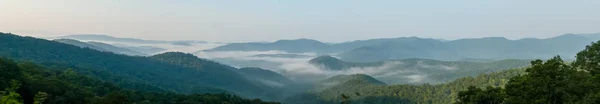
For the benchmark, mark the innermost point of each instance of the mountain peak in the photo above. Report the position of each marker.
(302, 40)
(174, 54)
(354, 79)
(329, 62)
(324, 58)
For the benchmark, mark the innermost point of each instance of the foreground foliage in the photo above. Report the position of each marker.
(551, 82)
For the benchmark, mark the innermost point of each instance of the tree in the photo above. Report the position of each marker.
(476, 95)
(10, 96)
(40, 97)
(589, 58)
(9, 71)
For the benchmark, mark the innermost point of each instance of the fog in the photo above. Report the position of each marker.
(300, 70)
(297, 68)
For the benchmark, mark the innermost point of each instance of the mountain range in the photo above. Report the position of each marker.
(106, 38)
(489, 48)
(101, 47)
(400, 70)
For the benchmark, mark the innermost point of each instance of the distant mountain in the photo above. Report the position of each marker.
(177, 72)
(182, 44)
(101, 47)
(293, 46)
(96, 37)
(111, 48)
(346, 46)
(150, 50)
(495, 48)
(331, 63)
(282, 55)
(417, 71)
(489, 48)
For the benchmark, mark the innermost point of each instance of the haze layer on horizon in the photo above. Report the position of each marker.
(329, 21)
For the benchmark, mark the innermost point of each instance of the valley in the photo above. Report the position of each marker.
(270, 73)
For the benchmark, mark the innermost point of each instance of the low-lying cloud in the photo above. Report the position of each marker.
(299, 69)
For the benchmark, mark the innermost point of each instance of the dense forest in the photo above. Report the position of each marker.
(177, 72)
(552, 82)
(369, 93)
(26, 82)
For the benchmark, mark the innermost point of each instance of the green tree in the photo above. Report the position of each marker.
(9, 71)
(589, 58)
(10, 96)
(544, 83)
(40, 97)
(475, 95)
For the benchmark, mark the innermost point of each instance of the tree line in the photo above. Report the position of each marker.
(29, 83)
(551, 82)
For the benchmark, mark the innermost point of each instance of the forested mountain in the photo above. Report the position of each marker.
(351, 90)
(552, 82)
(28, 83)
(354, 79)
(71, 74)
(490, 48)
(181, 74)
(97, 37)
(294, 46)
(480, 48)
(101, 47)
(331, 63)
(150, 50)
(266, 77)
(418, 71)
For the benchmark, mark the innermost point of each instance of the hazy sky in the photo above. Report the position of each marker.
(325, 20)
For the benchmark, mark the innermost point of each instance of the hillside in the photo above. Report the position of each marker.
(28, 83)
(103, 38)
(361, 93)
(100, 47)
(331, 63)
(344, 80)
(179, 77)
(266, 77)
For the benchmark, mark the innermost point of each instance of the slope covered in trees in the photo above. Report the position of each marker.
(552, 82)
(29, 83)
(100, 47)
(106, 38)
(364, 93)
(164, 74)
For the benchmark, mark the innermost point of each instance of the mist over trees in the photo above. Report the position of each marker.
(37, 71)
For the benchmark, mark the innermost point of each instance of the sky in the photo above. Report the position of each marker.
(324, 20)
